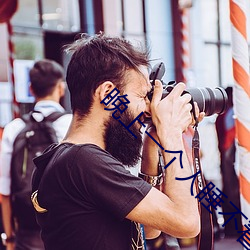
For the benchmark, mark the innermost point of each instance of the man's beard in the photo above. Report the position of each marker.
(120, 143)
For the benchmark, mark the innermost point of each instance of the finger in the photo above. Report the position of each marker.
(199, 115)
(196, 109)
(188, 106)
(177, 90)
(157, 93)
(186, 97)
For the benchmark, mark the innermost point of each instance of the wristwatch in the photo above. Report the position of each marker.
(154, 180)
(151, 179)
(6, 239)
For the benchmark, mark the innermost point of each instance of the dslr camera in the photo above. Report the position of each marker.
(210, 101)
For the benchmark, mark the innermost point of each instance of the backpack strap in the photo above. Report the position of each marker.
(50, 118)
(43, 123)
(54, 116)
(47, 124)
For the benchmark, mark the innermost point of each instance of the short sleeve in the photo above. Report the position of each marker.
(10, 133)
(108, 184)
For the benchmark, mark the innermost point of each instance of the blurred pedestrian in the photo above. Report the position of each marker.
(47, 85)
(225, 126)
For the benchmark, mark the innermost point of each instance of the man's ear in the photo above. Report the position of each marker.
(31, 90)
(104, 89)
(62, 88)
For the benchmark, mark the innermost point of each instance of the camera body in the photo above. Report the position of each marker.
(210, 101)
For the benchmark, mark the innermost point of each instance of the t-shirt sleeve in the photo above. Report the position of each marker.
(108, 184)
(10, 133)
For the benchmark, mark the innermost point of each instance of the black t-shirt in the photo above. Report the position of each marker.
(88, 194)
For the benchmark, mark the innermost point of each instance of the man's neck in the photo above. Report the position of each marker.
(86, 131)
(48, 98)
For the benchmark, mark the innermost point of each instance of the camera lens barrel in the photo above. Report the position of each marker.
(210, 101)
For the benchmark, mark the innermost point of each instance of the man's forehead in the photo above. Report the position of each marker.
(138, 80)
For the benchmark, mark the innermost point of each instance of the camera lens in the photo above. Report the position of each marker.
(210, 101)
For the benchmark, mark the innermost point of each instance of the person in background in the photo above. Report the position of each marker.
(2, 247)
(48, 86)
(225, 126)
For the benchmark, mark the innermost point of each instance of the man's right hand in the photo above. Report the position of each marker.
(172, 114)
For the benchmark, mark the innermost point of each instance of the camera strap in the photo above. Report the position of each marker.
(205, 238)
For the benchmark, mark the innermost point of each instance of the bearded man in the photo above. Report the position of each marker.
(84, 196)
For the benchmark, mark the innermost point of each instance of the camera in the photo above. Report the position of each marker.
(210, 101)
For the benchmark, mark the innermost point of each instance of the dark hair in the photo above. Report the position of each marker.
(97, 59)
(44, 76)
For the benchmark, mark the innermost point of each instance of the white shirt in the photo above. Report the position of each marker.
(11, 131)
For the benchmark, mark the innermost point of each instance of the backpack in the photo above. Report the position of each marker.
(37, 135)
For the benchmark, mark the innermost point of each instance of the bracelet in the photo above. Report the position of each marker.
(152, 180)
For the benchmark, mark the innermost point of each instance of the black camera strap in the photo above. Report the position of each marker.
(205, 238)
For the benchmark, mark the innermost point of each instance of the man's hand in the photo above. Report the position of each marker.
(199, 115)
(172, 114)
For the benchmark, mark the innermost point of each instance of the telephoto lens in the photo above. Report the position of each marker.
(210, 101)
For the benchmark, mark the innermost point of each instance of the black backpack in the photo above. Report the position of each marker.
(37, 135)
